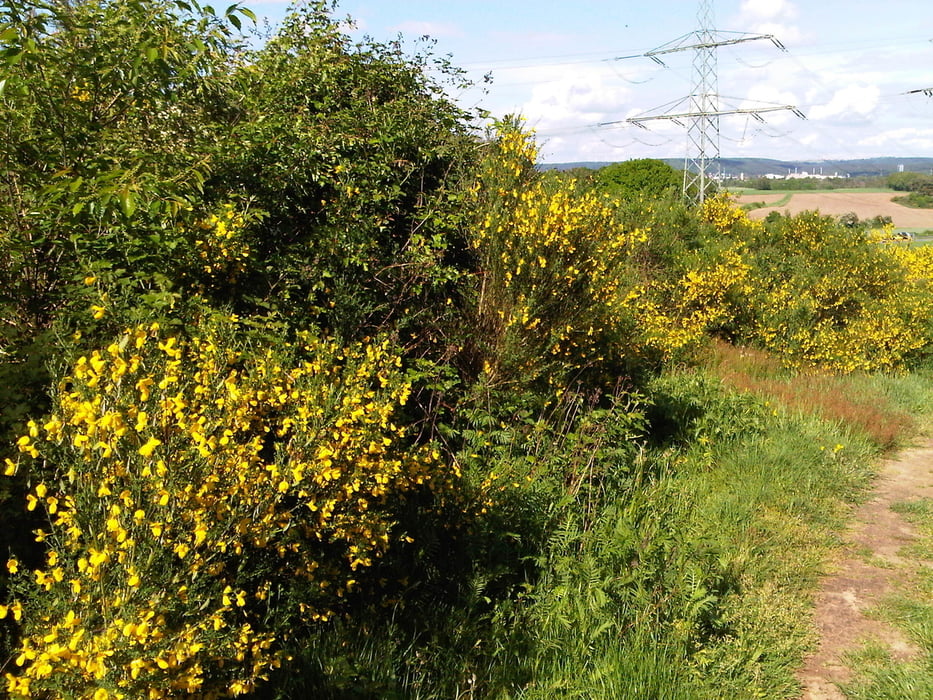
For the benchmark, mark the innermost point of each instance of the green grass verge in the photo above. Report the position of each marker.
(751, 206)
(915, 200)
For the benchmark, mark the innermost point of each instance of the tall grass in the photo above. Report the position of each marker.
(882, 407)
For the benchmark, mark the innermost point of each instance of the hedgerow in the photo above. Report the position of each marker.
(299, 368)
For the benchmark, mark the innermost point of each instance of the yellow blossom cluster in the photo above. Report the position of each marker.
(882, 234)
(552, 264)
(916, 261)
(194, 492)
(722, 213)
(675, 315)
(221, 245)
(836, 299)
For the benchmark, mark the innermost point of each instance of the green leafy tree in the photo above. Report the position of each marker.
(356, 156)
(644, 177)
(911, 182)
(153, 166)
(109, 114)
(110, 111)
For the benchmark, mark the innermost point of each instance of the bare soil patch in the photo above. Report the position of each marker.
(870, 568)
(865, 204)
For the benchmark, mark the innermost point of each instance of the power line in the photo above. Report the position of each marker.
(829, 48)
(681, 111)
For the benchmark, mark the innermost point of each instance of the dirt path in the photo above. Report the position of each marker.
(869, 569)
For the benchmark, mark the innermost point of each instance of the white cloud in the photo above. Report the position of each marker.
(561, 96)
(908, 139)
(845, 90)
(768, 94)
(764, 10)
(853, 102)
(775, 17)
(788, 34)
(565, 105)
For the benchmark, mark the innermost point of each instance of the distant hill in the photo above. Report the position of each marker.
(757, 167)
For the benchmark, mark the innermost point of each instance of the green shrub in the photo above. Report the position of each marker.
(828, 296)
(355, 156)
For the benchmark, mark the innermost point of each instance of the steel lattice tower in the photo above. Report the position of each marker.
(704, 106)
(703, 128)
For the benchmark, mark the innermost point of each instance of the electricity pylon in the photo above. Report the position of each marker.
(705, 105)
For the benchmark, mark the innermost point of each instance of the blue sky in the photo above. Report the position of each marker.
(847, 67)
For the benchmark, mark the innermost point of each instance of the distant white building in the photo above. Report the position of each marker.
(803, 174)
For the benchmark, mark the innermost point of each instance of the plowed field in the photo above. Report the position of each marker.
(867, 205)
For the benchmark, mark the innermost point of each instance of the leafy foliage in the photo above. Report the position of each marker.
(110, 112)
(644, 177)
(911, 182)
(552, 263)
(831, 297)
(360, 201)
(331, 396)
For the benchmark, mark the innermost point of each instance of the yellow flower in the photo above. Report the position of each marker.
(147, 449)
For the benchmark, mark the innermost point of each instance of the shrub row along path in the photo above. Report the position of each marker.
(870, 568)
(865, 204)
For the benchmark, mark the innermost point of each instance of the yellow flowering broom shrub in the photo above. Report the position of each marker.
(221, 244)
(722, 213)
(552, 269)
(675, 315)
(202, 501)
(831, 297)
(693, 280)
